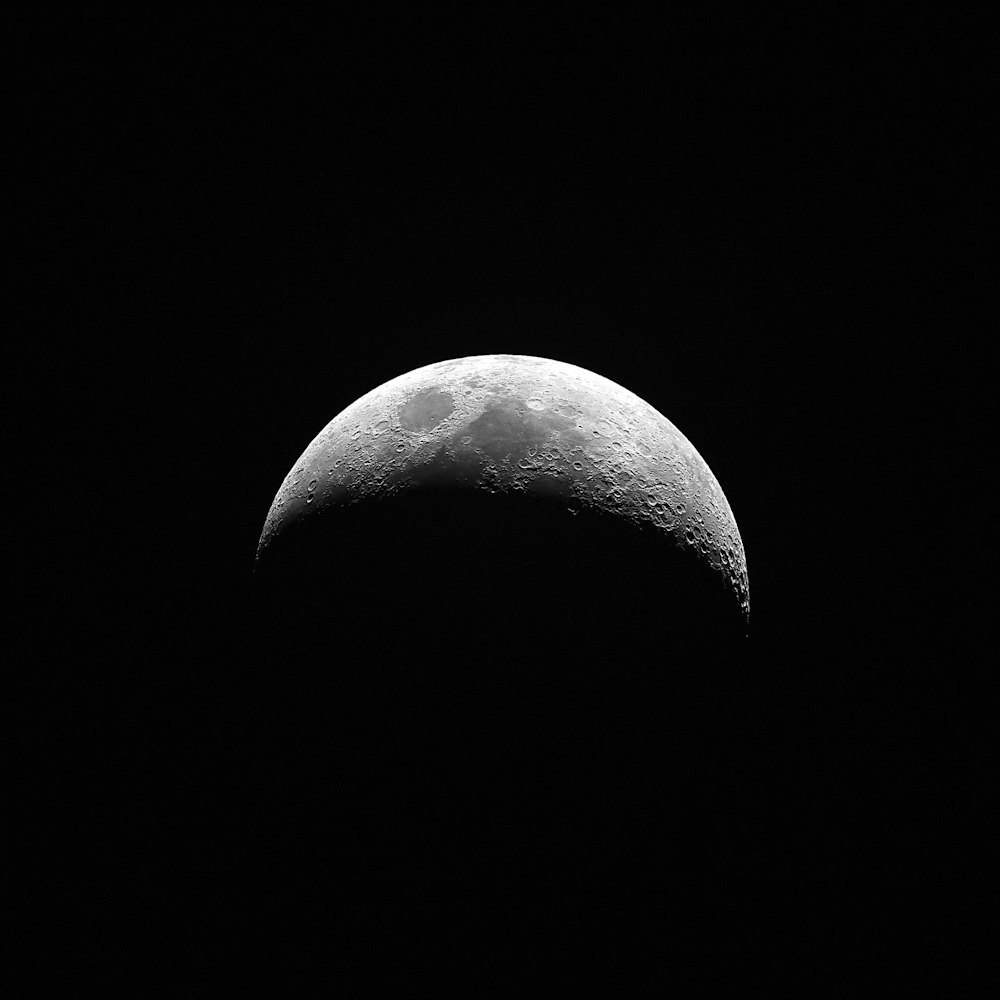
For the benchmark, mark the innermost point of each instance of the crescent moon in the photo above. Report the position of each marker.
(515, 425)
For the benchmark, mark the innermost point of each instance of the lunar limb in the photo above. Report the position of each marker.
(515, 426)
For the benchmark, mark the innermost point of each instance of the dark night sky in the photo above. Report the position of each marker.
(262, 217)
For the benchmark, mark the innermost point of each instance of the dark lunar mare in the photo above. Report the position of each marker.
(482, 721)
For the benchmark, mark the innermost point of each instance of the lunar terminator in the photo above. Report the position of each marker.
(516, 426)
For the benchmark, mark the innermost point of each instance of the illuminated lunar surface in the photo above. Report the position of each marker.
(512, 425)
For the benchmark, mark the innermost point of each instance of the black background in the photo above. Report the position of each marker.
(249, 221)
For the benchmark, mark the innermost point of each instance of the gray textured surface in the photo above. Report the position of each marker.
(506, 423)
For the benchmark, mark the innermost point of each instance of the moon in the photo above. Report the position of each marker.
(528, 434)
(503, 621)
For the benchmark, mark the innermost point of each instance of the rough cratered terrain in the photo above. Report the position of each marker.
(513, 426)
